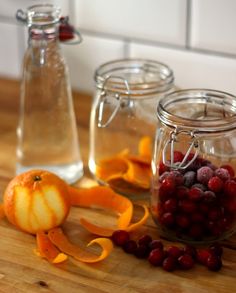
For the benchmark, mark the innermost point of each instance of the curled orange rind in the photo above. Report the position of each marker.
(59, 239)
(106, 198)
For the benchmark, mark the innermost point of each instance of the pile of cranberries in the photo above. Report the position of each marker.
(171, 257)
(199, 202)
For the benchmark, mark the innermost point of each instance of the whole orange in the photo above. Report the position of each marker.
(36, 200)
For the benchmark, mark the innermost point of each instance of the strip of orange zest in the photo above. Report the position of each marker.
(103, 197)
(48, 250)
(108, 232)
(141, 222)
(59, 239)
(2, 213)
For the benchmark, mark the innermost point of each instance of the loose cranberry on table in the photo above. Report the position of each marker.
(120, 237)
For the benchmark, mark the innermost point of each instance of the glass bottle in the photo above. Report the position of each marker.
(193, 167)
(123, 121)
(47, 133)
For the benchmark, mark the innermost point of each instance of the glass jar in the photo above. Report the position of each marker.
(123, 121)
(194, 163)
(47, 132)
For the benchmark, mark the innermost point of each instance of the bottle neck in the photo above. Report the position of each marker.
(38, 35)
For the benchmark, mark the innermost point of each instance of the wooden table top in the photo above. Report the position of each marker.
(22, 271)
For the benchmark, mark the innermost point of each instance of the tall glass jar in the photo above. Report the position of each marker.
(194, 163)
(47, 133)
(123, 120)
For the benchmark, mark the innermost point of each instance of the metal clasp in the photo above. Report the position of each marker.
(194, 145)
(122, 102)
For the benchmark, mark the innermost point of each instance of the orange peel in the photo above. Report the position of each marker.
(106, 198)
(48, 250)
(60, 240)
(2, 213)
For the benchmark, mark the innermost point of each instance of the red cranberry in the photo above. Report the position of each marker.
(142, 251)
(167, 219)
(229, 169)
(156, 257)
(186, 262)
(170, 205)
(204, 174)
(162, 168)
(203, 255)
(191, 250)
(216, 249)
(178, 156)
(168, 185)
(197, 217)
(182, 221)
(181, 192)
(178, 177)
(187, 206)
(169, 264)
(156, 244)
(214, 263)
(130, 247)
(195, 194)
(215, 213)
(196, 231)
(145, 240)
(174, 251)
(120, 237)
(230, 188)
(215, 184)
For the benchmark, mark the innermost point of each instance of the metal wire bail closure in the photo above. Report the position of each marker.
(104, 100)
(194, 145)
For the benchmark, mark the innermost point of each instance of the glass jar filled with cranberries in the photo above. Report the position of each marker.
(194, 165)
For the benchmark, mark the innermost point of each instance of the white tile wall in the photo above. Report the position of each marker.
(213, 25)
(193, 69)
(162, 20)
(83, 59)
(197, 38)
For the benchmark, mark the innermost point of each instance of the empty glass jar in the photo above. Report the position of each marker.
(123, 121)
(193, 168)
(47, 132)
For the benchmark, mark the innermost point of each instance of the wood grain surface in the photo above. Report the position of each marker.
(22, 271)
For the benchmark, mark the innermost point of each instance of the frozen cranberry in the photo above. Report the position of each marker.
(182, 221)
(186, 262)
(174, 251)
(209, 196)
(168, 185)
(170, 205)
(200, 186)
(145, 240)
(156, 244)
(178, 156)
(203, 255)
(178, 177)
(214, 263)
(204, 174)
(120, 237)
(191, 250)
(156, 257)
(230, 188)
(167, 219)
(195, 194)
(222, 173)
(216, 249)
(189, 178)
(142, 251)
(181, 192)
(229, 169)
(187, 206)
(169, 264)
(215, 184)
(130, 246)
